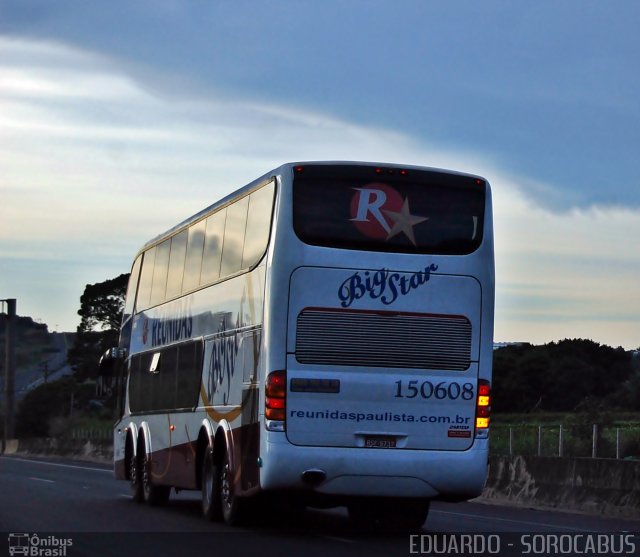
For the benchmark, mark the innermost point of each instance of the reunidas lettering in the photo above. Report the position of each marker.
(383, 285)
(174, 325)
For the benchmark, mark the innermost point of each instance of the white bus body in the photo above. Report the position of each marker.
(335, 345)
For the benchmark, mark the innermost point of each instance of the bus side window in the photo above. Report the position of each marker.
(132, 289)
(146, 277)
(148, 385)
(213, 247)
(160, 272)
(250, 355)
(165, 392)
(189, 375)
(258, 225)
(176, 264)
(135, 385)
(234, 232)
(193, 262)
(121, 387)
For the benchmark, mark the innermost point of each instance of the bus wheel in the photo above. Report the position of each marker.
(231, 506)
(152, 494)
(134, 480)
(211, 504)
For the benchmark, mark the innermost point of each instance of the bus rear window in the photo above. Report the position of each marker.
(361, 208)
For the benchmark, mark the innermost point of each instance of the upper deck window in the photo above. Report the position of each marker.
(232, 239)
(364, 208)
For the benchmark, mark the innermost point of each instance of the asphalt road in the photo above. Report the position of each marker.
(84, 504)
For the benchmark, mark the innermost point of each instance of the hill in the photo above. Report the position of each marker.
(33, 342)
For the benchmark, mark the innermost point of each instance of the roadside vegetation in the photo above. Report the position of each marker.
(73, 405)
(548, 398)
(59, 408)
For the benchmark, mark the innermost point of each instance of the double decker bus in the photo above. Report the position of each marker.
(324, 335)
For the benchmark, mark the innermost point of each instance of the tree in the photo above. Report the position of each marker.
(101, 307)
(564, 376)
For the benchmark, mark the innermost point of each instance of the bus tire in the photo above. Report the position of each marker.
(134, 479)
(211, 503)
(232, 507)
(152, 494)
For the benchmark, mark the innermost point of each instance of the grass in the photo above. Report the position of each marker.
(84, 427)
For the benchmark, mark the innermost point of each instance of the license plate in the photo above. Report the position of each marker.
(380, 442)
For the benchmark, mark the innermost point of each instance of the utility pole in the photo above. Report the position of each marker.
(10, 371)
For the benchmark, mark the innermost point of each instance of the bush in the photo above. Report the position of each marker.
(630, 443)
(43, 411)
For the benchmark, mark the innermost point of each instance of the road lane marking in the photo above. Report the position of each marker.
(337, 539)
(513, 521)
(44, 462)
(42, 480)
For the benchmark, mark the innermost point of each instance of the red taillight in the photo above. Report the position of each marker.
(275, 396)
(391, 171)
(299, 169)
(483, 405)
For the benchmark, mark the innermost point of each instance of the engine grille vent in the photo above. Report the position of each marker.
(382, 339)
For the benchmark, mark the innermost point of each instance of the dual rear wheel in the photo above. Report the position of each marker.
(219, 501)
(143, 490)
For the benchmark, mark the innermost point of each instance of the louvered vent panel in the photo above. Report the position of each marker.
(383, 340)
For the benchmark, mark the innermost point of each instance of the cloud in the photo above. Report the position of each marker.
(95, 163)
(85, 147)
(566, 275)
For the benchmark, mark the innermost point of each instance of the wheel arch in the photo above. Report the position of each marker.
(130, 448)
(223, 443)
(144, 436)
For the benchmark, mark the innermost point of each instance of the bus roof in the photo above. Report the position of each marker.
(276, 172)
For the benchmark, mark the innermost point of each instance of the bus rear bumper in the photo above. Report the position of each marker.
(338, 471)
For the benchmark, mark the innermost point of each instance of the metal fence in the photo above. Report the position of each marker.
(594, 440)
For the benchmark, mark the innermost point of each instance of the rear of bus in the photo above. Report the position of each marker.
(379, 312)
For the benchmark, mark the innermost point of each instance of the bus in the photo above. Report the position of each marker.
(323, 336)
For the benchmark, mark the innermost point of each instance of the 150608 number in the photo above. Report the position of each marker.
(440, 391)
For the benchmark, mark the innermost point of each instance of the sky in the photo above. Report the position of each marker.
(119, 119)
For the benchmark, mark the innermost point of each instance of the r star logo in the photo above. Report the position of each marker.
(404, 221)
(379, 211)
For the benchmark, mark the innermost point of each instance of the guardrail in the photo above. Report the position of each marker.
(594, 440)
(92, 434)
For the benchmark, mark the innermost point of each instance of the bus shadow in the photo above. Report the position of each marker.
(285, 520)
